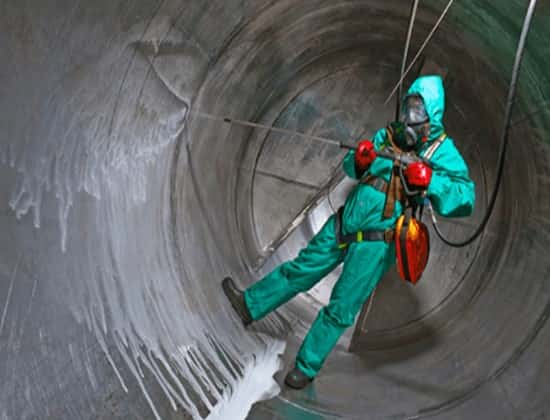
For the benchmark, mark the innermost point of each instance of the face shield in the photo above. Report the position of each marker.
(415, 119)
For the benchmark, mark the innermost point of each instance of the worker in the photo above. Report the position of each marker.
(368, 207)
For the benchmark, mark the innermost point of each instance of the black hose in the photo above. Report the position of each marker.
(505, 134)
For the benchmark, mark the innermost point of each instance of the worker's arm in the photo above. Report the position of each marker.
(351, 167)
(451, 191)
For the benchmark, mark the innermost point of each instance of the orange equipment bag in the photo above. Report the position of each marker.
(412, 245)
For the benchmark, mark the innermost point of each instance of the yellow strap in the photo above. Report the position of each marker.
(360, 236)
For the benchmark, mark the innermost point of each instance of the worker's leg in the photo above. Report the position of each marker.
(364, 266)
(313, 263)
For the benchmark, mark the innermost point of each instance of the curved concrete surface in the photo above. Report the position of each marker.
(122, 209)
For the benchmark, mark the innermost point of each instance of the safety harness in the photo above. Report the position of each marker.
(394, 191)
(386, 235)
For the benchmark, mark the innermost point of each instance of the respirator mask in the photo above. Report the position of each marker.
(415, 122)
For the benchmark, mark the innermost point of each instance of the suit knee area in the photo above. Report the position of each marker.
(297, 282)
(300, 286)
(339, 316)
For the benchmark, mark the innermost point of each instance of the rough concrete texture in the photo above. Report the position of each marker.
(122, 209)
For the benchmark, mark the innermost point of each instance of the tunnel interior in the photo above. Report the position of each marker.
(123, 207)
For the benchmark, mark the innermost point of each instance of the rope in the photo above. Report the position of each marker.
(412, 18)
(420, 51)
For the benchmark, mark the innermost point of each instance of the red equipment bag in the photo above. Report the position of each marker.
(412, 245)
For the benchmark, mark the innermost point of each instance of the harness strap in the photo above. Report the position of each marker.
(377, 183)
(430, 151)
(395, 193)
(395, 190)
(344, 241)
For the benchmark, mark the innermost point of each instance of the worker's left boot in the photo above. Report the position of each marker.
(297, 379)
(236, 298)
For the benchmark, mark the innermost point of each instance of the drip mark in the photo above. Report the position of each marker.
(8, 297)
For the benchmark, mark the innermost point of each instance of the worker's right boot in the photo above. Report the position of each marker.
(297, 379)
(236, 298)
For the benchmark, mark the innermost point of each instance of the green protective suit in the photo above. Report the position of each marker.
(452, 194)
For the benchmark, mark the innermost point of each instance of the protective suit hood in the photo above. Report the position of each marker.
(432, 91)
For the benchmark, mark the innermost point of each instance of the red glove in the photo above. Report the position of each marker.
(364, 155)
(418, 175)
